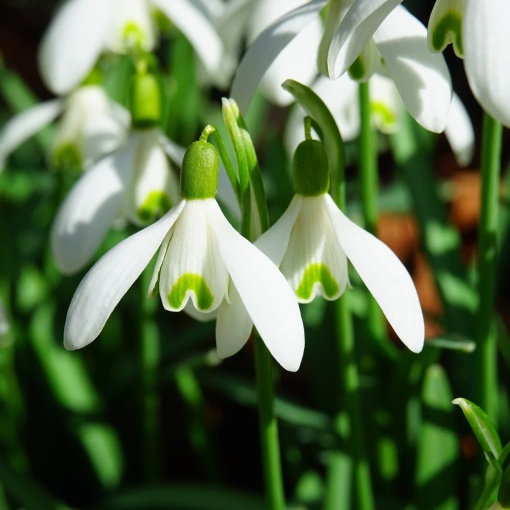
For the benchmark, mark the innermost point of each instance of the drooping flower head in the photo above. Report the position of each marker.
(203, 265)
(313, 240)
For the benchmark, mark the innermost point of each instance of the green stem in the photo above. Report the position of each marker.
(369, 185)
(268, 427)
(487, 257)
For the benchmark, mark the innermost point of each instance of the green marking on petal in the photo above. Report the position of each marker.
(67, 157)
(387, 117)
(132, 35)
(317, 273)
(157, 203)
(448, 30)
(358, 69)
(191, 282)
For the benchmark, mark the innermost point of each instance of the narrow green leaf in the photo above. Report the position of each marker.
(482, 426)
(436, 473)
(452, 342)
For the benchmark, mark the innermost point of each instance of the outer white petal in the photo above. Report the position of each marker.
(173, 150)
(274, 241)
(73, 42)
(297, 61)
(385, 277)
(421, 77)
(201, 34)
(264, 292)
(110, 278)
(355, 30)
(267, 47)
(26, 124)
(193, 250)
(88, 211)
(233, 325)
(486, 38)
(459, 132)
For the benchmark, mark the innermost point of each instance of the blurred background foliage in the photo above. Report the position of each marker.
(125, 424)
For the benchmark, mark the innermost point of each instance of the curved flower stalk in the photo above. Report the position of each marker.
(83, 29)
(479, 33)
(90, 126)
(134, 183)
(313, 240)
(203, 262)
(374, 35)
(341, 97)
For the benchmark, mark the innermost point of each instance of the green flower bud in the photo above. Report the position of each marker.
(310, 169)
(199, 175)
(144, 101)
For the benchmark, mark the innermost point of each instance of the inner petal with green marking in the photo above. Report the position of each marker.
(187, 285)
(448, 30)
(317, 275)
(156, 204)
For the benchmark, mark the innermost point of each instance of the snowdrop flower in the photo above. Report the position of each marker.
(91, 125)
(134, 183)
(203, 263)
(313, 239)
(83, 29)
(479, 32)
(341, 97)
(371, 35)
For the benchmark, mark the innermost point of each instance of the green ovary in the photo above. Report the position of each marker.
(317, 273)
(449, 29)
(194, 283)
(157, 202)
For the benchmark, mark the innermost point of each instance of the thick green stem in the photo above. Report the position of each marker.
(487, 257)
(268, 427)
(369, 184)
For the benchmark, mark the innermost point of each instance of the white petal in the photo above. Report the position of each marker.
(110, 278)
(201, 34)
(267, 47)
(385, 277)
(233, 325)
(132, 27)
(358, 26)
(173, 150)
(486, 38)
(274, 241)
(421, 77)
(297, 61)
(445, 25)
(264, 292)
(314, 262)
(192, 268)
(459, 132)
(154, 186)
(26, 124)
(200, 316)
(73, 43)
(87, 212)
(385, 103)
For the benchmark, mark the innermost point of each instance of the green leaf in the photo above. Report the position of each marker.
(452, 342)
(330, 134)
(482, 427)
(436, 473)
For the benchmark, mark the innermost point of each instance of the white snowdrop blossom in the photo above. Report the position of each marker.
(341, 98)
(90, 126)
(313, 240)
(203, 264)
(479, 32)
(134, 183)
(83, 29)
(370, 35)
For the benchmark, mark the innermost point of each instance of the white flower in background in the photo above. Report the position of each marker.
(341, 98)
(374, 35)
(83, 29)
(203, 262)
(479, 32)
(134, 183)
(91, 125)
(313, 240)
(4, 323)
